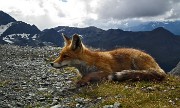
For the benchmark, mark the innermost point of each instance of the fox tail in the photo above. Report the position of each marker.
(137, 75)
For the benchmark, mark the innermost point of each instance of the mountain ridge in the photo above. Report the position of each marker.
(172, 26)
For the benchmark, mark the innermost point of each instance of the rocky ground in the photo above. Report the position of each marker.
(27, 80)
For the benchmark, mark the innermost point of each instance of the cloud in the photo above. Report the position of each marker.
(123, 9)
(116, 13)
(43, 13)
(174, 13)
(80, 13)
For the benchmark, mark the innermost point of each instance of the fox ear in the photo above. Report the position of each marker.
(76, 42)
(67, 40)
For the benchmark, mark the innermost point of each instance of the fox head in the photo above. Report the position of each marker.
(71, 52)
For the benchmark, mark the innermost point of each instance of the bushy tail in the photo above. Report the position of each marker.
(137, 75)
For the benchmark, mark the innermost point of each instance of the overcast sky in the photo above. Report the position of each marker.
(104, 14)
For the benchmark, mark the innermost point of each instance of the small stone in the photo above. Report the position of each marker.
(58, 87)
(172, 88)
(79, 105)
(176, 99)
(150, 88)
(31, 94)
(118, 96)
(56, 98)
(56, 106)
(108, 106)
(82, 100)
(19, 104)
(55, 102)
(126, 87)
(44, 76)
(165, 90)
(68, 82)
(44, 84)
(28, 98)
(42, 89)
(170, 101)
(99, 98)
(117, 105)
(42, 99)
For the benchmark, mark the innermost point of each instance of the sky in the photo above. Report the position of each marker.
(103, 14)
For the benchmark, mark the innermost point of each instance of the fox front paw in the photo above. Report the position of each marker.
(81, 83)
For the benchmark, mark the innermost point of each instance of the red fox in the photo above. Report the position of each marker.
(117, 65)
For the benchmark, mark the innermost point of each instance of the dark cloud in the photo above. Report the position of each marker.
(122, 9)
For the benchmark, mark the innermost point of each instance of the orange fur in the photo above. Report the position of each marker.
(110, 62)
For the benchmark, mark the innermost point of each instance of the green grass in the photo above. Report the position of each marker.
(136, 94)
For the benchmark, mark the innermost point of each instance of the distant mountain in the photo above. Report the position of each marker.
(50, 37)
(172, 26)
(20, 33)
(162, 44)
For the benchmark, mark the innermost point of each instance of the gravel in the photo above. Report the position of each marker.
(27, 80)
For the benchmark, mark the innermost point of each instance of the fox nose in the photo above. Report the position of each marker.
(51, 63)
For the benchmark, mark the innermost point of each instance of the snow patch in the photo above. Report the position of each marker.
(8, 41)
(3, 28)
(61, 30)
(34, 37)
(12, 36)
(24, 35)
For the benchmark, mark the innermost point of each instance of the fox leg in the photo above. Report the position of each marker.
(92, 77)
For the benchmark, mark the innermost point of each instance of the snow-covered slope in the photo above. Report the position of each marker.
(11, 38)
